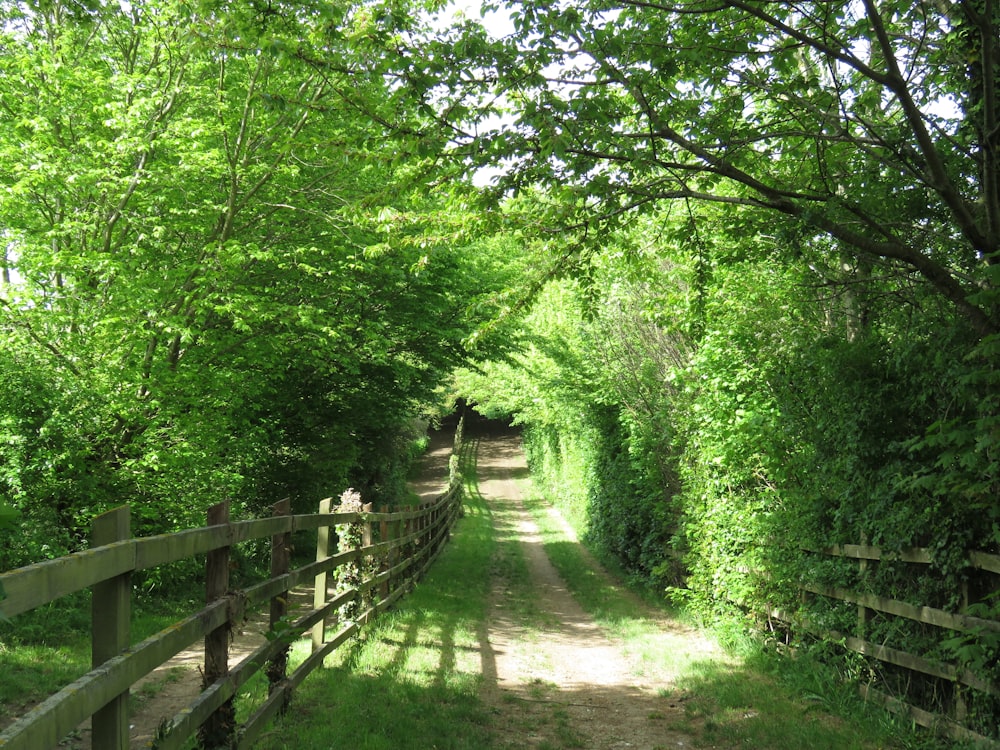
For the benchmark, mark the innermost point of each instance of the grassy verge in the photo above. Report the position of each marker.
(40, 652)
(413, 681)
(741, 697)
(44, 650)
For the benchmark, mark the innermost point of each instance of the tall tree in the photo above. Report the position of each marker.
(220, 232)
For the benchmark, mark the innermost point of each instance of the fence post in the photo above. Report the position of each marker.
(219, 729)
(432, 527)
(398, 531)
(409, 549)
(368, 563)
(110, 618)
(281, 546)
(320, 584)
(418, 530)
(429, 536)
(366, 527)
(383, 536)
(422, 527)
(960, 712)
(437, 523)
(864, 614)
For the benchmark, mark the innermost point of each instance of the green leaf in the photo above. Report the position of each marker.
(8, 516)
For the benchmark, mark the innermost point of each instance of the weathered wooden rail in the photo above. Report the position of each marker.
(955, 679)
(396, 548)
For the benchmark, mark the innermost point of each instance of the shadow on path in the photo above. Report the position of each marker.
(429, 476)
(551, 676)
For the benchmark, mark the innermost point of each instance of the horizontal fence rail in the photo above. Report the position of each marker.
(396, 548)
(34, 585)
(955, 678)
(918, 555)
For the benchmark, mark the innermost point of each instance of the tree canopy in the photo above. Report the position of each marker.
(872, 129)
(735, 273)
(228, 268)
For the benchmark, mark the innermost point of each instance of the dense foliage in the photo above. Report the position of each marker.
(774, 327)
(752, 247)
(228, 272)
(871, 126)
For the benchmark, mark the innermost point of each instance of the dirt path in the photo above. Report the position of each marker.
(171, 687)
(564, 684)
(556, 682)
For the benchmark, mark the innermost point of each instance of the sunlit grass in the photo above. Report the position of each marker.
(29, 673)
(413, 680)
(739, 697)
(44, 650)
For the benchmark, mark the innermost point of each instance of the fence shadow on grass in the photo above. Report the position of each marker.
(414, 680)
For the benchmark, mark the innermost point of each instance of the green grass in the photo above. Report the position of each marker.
(41, 651)
(29, 673)
(740, 697)
(413, 680)
(44, 650)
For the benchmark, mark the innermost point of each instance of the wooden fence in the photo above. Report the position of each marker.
(955, 679)
(396, 548)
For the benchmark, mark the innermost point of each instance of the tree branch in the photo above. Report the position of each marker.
(49, 346)
(938, 175)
